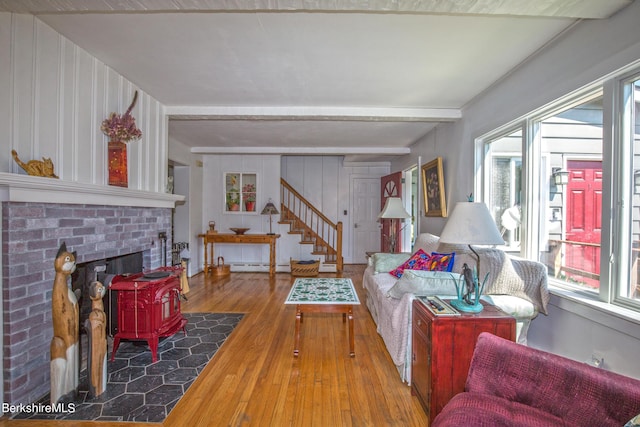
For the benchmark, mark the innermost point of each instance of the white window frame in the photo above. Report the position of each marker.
(617, 143)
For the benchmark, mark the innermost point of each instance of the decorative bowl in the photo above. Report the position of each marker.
(239, 230)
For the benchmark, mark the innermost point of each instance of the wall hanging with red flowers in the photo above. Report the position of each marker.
(120, 129)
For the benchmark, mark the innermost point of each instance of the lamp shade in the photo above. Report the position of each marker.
(269, 209)
(471, 224)
(393, 208)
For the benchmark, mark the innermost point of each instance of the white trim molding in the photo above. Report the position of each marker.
(34, 189)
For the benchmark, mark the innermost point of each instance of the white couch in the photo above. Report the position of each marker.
(517, 286)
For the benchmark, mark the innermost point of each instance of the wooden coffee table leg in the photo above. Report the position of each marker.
(297, 332)
(352, 351)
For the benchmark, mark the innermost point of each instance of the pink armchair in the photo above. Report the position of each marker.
(512, 384)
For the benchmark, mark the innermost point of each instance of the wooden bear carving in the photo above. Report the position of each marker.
(96, 327)
(64, 344)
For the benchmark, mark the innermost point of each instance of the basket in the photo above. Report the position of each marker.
(221, 269)
(304, 268)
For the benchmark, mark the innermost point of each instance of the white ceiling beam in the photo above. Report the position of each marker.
(320, 151)
(314, 113)
(589, 9)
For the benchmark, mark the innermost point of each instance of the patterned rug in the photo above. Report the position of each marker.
(139, 390)
(312, 290)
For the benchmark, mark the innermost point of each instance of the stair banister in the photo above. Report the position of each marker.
(313, 224)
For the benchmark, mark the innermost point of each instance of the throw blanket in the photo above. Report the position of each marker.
(512, 276)
(400, 321)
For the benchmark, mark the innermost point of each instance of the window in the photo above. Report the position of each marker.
(572, 140)
(504, 185)
(563, 185)
(629, 271)
(240, 192)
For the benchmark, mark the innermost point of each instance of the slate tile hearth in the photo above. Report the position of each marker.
(139, 390)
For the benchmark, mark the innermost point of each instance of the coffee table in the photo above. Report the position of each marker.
(323, 295)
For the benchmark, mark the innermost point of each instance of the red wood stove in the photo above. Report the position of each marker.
(148, 307)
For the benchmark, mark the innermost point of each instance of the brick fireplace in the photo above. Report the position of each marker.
(31, 235)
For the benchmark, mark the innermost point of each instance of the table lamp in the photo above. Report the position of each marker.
(393, 210)
(471, 224)
(270, 209)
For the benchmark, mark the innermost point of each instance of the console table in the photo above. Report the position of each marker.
(213, 238)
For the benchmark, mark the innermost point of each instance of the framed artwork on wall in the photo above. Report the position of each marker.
(433, 188)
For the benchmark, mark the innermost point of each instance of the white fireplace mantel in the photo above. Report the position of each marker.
(35, 189)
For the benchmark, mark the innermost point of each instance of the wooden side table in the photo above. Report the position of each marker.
(442, 347)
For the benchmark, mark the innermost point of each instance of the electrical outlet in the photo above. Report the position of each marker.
(597, 360)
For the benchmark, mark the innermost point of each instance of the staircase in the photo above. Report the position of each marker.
(313, 227)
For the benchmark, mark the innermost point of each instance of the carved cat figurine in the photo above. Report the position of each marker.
(64, 344)
(42, 167)
(96, 327)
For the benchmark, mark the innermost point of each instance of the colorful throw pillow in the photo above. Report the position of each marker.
(418, 261)
(441, 262)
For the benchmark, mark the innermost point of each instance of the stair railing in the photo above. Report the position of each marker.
(297, 209)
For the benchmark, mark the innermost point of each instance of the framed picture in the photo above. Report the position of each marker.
(433, 189)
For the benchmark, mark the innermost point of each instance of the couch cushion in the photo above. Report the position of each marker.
(384, 262)
(423, 283)
(476, 409)
(427, 242)
(516, 307)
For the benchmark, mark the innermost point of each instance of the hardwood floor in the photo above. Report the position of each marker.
(254, 380)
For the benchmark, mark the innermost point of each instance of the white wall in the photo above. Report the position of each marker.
(588, 52)
(55, 96)
(267, 168)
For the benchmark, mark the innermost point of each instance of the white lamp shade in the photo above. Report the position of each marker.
(471, 224)
(393, 208)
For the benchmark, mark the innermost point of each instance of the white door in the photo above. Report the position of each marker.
(366, 207)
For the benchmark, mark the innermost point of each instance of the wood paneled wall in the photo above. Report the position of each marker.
(55, 96)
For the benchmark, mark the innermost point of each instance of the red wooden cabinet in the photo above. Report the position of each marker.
(148, 307)
(442, 347)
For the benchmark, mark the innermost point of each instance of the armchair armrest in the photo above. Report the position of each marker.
(573, 391)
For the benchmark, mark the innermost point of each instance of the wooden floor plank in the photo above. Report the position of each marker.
(254, 379)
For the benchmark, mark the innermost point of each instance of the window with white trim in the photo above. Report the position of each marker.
(564, 194)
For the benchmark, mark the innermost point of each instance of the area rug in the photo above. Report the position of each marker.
(142, 391)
